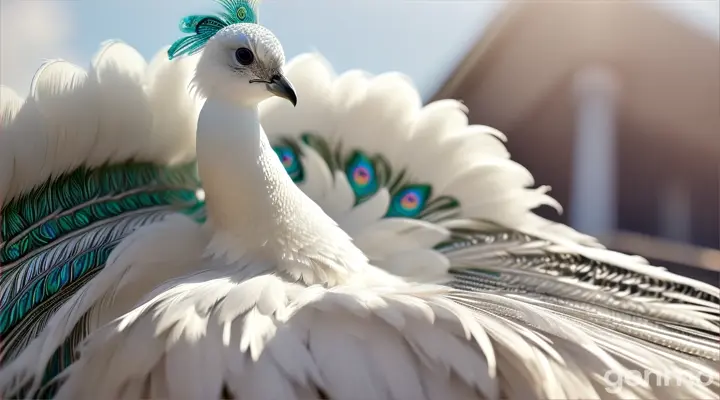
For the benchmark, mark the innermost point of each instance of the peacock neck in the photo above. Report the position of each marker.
(256, 212)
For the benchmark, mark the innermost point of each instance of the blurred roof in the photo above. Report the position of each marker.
(668, 68)
(700, 15)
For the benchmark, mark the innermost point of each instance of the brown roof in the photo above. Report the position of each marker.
(670, 73)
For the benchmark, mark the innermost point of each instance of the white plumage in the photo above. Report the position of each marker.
(435, 144)
(271, 299)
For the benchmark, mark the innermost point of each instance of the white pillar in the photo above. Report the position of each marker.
(675, 212)
(593, 206)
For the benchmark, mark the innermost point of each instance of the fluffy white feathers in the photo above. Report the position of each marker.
(121, 109)
(435, 144)
(383, 115)
(182, 324)
(262, 337)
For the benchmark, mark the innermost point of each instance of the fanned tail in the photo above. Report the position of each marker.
(85, 160)
(425, 194)
(588, 279)
(547, 313)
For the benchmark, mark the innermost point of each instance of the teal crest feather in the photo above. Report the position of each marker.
(367, 174)
(202, 27)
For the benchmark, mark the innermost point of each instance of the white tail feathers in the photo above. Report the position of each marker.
(124, 113)
(10, 104)
(175, 107)
(120, 110)
(311, 76)
(383, 116)
(435, 144)
(379, 121)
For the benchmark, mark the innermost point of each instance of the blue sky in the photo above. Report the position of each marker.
(423, 39)
(420, 38)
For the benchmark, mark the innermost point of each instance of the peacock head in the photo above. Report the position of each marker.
(241, 62)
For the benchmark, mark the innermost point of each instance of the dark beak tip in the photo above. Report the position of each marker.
(281, 87)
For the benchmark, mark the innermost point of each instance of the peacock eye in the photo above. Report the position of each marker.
(244, 56)
(361, 174)
(409, 202)
(291, 161)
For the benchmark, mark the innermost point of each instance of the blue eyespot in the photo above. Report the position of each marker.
(361, 174)
(290, 160)
(409, 202)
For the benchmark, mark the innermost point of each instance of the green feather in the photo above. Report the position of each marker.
(80, 186)
(321, 146)
(189, 45)
(190, 23)
(56, 237)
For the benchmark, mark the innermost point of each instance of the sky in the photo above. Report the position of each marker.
(424, 39)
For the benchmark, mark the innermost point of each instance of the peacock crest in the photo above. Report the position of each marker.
(202, 27)
(367, 174)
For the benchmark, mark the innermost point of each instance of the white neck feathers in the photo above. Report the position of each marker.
(257, 213)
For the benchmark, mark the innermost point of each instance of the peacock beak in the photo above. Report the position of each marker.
(281, 87)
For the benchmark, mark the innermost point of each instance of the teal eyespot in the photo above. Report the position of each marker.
(409, 201)
(291, 162)
(361, 173)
